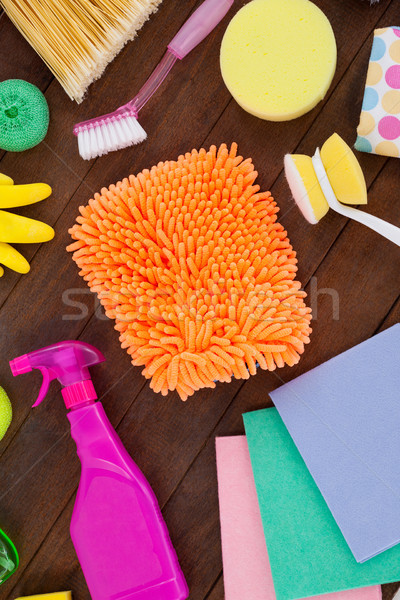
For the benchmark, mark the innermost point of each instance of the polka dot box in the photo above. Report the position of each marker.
(379, 128)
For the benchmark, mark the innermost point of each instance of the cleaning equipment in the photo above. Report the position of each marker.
(54, 596)
(77, 40)
(121, 129)
(15, 229)
(5, 413)
(328, 179)
(190, 261)
(278, 58)
(307, 551)
(117, 528)
(24, 115)
(356, 391)
(247, 573)
(379, 128)
(9, 560)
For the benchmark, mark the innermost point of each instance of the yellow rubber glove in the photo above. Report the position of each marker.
(22, 195)
(5, 180)
(17, 229)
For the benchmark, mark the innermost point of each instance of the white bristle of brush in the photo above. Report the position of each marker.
(108, 136)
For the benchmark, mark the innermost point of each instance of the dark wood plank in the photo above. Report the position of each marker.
(268, 146)
(388, 591)
(59, 157)
(217, 592)
(48, 289)
(56, 160)
(362, 305)
(17, 59)
(82, 194)
(394, 315)
(247, 392)
(166, 437)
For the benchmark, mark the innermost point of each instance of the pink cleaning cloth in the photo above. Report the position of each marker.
(247, 574)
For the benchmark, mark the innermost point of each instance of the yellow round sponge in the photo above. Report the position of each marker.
(278, 58)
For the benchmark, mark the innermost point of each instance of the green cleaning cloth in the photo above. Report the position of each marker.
(308, 553)
(5, 413)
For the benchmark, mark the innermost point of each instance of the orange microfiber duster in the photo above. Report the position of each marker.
(189, 260)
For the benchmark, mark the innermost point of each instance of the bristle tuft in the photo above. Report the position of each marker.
(110, 135)
(77, 39)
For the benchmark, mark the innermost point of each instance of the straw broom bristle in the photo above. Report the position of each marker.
(78, 38)
(191, 262)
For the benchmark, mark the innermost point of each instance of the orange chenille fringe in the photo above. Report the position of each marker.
(190, 261)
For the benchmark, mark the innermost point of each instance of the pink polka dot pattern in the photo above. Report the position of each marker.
(389, 128)
(393, 77)
(379, 128)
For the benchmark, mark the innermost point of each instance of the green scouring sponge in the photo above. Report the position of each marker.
(5, 413)
(24, 115)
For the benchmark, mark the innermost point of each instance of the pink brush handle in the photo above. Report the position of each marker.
(198, 26)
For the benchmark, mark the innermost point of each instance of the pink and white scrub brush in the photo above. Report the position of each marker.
(121, 128)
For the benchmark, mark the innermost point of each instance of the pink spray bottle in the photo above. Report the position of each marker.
(117, 528)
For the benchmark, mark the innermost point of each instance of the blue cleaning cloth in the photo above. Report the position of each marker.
(344, 417)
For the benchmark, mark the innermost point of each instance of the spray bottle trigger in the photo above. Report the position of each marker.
(47, 378)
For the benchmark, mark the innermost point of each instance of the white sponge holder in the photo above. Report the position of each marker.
(387, 230)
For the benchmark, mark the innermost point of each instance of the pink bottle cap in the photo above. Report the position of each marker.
(79, 393)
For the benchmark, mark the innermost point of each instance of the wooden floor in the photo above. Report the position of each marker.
(173, 442)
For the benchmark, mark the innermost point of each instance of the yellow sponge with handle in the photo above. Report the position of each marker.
(335, 173)
(343, 171)
(54, 596)
(305, 188)
(278, 58)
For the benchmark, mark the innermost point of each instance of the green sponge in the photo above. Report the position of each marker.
(24, 115)
(5, 413)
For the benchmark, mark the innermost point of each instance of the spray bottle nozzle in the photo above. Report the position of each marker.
(20, 365)
(66, 361)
